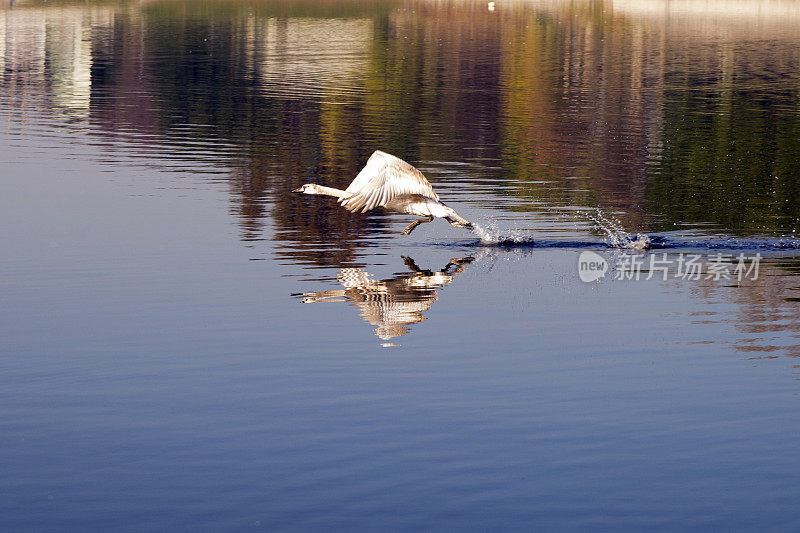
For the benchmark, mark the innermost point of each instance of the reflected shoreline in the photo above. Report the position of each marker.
(679, 119)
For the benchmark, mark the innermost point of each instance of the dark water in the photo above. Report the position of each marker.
(188, 346)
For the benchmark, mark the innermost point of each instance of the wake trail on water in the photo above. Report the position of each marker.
(616, 237)
(491, 235)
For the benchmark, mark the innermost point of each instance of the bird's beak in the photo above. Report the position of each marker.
(299, 189)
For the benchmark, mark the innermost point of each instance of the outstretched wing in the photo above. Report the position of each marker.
(383, 178)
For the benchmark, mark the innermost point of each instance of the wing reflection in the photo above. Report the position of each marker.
(391, 304)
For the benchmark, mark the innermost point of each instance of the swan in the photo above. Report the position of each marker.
(391, 304)
(389, 182)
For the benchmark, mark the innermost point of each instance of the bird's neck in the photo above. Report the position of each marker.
(330, 191)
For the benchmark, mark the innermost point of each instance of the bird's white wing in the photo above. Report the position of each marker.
(383, 178)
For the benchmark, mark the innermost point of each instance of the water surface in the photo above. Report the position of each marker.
(189, 346)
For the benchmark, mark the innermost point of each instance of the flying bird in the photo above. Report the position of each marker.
(389, 182)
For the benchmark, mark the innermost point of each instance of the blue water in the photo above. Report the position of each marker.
(187, 346)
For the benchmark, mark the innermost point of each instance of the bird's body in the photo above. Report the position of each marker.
(389, 182)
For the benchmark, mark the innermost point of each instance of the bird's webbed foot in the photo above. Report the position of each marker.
(457, 224)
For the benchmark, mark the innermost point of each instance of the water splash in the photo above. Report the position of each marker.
(616, 236)
(492, 235)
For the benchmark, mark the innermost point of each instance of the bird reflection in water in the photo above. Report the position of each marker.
(395, 303)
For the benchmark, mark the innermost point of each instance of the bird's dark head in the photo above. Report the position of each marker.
(308, 188)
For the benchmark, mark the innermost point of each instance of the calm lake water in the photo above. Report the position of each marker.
(188, 346)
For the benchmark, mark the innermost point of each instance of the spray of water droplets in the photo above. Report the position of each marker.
(615, 235)
(491, 234)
